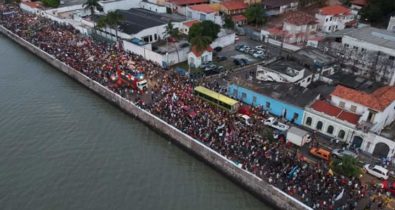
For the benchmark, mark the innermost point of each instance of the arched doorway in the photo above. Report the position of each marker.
(357, 142)
(381, 150)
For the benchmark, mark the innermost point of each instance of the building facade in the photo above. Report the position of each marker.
(335, 18)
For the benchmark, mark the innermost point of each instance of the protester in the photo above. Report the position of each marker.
(172, 99)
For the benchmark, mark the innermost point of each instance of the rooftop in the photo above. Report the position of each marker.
(188, 2)
(190, 23)
(355, 82)
(136, 20)
(313, 55)
(238, 18)
(287, 67)
(334, 10)
(234, 5)
(378, 100)
(360, 2)
(71, 2)
(277, 3)
(199, 53)
(299, 18)
(205, 8)
(372, 35)
(329, 109)
(287, 92)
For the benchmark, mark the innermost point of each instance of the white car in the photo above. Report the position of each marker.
(272, 122)
(341, 153)
(245, 119)
(377, 171)
(259, 47)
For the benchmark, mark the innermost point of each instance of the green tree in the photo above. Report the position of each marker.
(229, 22)
(92, 5)
(255, 14)
(378, 12)
(111, 20)
(201, 43)
(205, 28)
(347, 166)
(51, 3)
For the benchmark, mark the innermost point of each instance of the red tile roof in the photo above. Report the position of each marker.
(206, 8)
(190, 23)
(238, 18)
(33, 4)
(360, 2)
(188, 2)
(299, 18)
(234, 5)
(334, 10)
(199, 53)
(327, 108)
(378, 100)
(276, 31)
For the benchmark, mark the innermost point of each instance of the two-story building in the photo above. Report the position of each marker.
(278, 7)
(335, 18)
(299, 27)
(205, 12)
(355, 117)
(234, 7)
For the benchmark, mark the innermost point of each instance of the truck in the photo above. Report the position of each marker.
(135, 81)
(274, 123)
(298, 136)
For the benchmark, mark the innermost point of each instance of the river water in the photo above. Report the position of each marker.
(63, 147)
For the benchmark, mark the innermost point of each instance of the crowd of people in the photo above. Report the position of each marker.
(173, 100)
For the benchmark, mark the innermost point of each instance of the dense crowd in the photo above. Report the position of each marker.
(172, 100)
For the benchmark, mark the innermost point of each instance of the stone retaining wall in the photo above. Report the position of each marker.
(248, 180)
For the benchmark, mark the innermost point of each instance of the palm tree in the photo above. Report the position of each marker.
(200, 43)
(255, 14)
(92, 5)
(113, 20)
(172, 34)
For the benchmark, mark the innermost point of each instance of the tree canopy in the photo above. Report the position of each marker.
(171, 32)
(92, 5)
(201, 43)
(229, 22)
(378, 11)
(205, 28)
(51, 3)
(347, 166)
(256, 14)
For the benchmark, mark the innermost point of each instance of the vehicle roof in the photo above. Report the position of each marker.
(216, 95)
(322, 150)
(297, 131)
(381, 168)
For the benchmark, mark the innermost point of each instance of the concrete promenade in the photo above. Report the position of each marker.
(257, 186)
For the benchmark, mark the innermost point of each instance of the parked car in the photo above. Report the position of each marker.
(245, 119)
(339, 153)
(218, 49)
(238, 47)
(272, 122)
(377, 171)
(204, 65)
(245, 61)
(183, 45)
(210, 67)
(320, 153)
(236, 62)
(221, 58)
(259, 47)
(388, 186)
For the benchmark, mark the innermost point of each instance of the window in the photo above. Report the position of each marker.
(319, 125)
(308, 121)
(155, 36)
(235, 93)
(330, 19)
(355, 48)
(254, 100)
(268, 104)
(326, 20)
(353, 108)
(346, 45)
(341, 134)
(330, 129)
(309, 79)
(202, 17)
(243, 95)
(342, 104)
(296, 116)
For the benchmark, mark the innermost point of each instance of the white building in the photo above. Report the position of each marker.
(334, 18)
(278, 7)
(356, 117)
(299, 27)
(205, 12)
(197, 58)
(286, 72)
(391, 24)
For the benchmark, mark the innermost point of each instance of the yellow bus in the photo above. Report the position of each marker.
(217, 99)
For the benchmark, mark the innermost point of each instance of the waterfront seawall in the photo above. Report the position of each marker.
(259, 187)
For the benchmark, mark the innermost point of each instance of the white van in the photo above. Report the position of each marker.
(245, 119)
(377, 171)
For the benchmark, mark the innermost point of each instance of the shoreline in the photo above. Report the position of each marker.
(257, 186)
